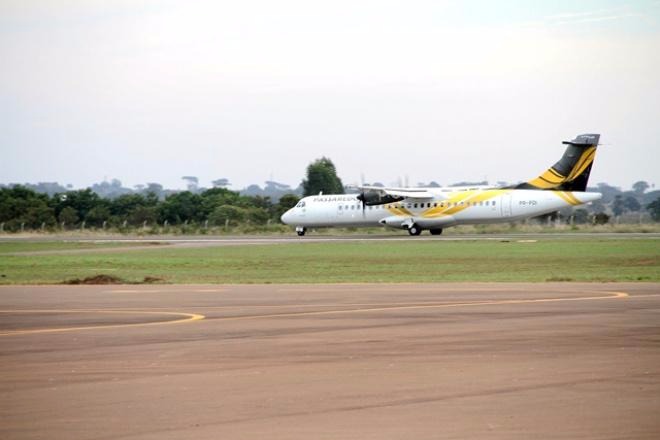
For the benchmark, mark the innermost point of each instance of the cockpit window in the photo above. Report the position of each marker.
(301, 204)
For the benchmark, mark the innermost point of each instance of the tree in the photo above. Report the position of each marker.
(123, 205)
(640, 186)
(155, 188)
(257, 216)
(608, 192)
(68, 216)
(227, 214)
(191, 182)
(220, 183)
(181, 207)
(322, 177)
(81, 201)
(601, 218)
(97, 215)
(617, 206)
(631, 204)
(35, 216)
(140, 214)
(654, 209)
(580, 216)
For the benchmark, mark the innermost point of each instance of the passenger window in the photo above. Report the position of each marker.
(415, 205)
(340, 207)
(493, 202)
(435, 205)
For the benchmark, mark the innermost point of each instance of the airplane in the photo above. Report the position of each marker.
(417, 209)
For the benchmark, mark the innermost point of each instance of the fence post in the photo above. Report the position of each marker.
(22, 226)
(104, 224)
(2, 227)
(43, 226)
(206, 224)
(82, 225)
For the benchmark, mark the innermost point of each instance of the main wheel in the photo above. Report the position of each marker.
(436, 231)
(414, 230)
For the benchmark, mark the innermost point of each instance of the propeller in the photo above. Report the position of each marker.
(361, 197)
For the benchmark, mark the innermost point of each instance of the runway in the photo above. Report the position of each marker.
(355, 361)
(241, 240)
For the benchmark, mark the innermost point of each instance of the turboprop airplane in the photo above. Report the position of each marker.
(416, 209)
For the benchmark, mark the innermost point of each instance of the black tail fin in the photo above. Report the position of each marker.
(571, 172)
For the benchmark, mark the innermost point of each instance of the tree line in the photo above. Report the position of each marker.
(24, 208)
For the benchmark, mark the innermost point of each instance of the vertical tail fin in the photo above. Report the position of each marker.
(571, 172)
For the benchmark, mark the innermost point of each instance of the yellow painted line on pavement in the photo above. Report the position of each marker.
(187, 317)
(606, 295)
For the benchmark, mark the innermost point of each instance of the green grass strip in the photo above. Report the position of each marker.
(393, 262)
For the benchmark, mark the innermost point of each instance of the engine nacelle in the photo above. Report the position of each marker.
(396, 221)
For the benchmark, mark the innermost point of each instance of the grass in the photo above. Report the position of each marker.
(344, 262)
(10, 247)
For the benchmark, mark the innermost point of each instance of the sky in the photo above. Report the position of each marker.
(390, 91)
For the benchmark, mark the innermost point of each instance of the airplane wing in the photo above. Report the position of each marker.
(408, 193)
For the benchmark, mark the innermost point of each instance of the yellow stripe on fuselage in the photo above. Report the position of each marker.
(452, 205)
(567, 197)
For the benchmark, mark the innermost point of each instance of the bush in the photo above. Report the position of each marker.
(601, 218)
(227, 214)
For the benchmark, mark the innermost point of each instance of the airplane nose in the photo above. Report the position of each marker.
(286, 217)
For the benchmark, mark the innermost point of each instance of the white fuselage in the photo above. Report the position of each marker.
(449, 207)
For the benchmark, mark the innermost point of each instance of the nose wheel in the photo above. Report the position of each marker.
(301, 231)
(414, 230)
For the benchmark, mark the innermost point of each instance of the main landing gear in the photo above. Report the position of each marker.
(416, 230)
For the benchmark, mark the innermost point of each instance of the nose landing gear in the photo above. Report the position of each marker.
(300, 231)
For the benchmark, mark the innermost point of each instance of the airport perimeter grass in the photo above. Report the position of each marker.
(49, 246)
(343, 262)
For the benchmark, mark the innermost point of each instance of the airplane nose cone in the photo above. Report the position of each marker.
(286, 217)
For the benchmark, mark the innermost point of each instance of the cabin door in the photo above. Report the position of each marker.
(505, 205)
